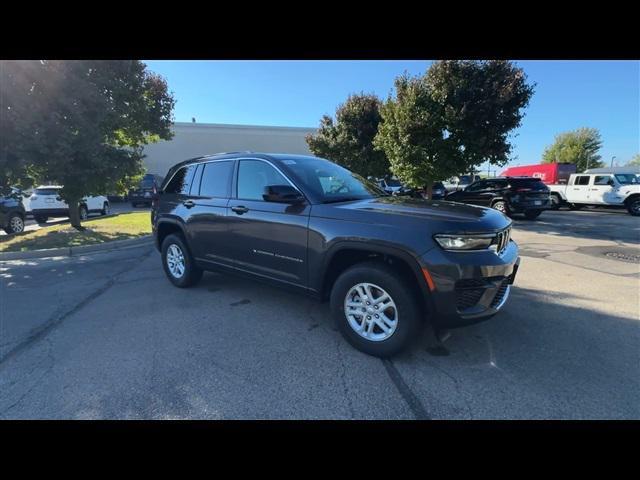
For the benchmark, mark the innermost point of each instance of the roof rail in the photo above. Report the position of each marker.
(229, 153)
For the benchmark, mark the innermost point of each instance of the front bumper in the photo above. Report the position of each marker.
(470, 286)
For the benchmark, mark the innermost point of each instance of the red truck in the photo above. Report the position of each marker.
(549, 173)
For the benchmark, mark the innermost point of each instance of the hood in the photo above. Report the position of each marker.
(439, 215)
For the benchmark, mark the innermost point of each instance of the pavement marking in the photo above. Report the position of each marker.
(410, 398)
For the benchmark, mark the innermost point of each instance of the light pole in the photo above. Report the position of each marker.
(612, 161)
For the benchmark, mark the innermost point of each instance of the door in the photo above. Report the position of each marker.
(267, 238)
(601, 192)
(579, 191)
(474, 194)
(207, 221)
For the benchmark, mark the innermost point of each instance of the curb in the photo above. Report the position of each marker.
(73, 251)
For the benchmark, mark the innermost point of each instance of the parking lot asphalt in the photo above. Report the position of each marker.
(107, 336)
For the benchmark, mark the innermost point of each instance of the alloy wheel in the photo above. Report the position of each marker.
(371, 312)
(175, 261)
(17, 224)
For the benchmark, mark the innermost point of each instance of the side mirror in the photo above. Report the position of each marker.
(611, 183)
(282, 194)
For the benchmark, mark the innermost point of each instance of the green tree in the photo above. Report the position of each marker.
(635, 161)
(579, 146)
(348, 140)
(82, 124)
(456, 117)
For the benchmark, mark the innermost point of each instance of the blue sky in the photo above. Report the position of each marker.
(569, 95)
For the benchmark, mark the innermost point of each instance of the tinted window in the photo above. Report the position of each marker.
(529, 183)
(253, 176)
(181, 181)
(474, 187)
(601, 180)
(582, 180)
(215, 179)
(46, 191)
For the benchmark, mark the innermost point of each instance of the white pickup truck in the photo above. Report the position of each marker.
(599, 189)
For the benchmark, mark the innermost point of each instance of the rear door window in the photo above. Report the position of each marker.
(215, 179)
(181, 181)
(582, 180)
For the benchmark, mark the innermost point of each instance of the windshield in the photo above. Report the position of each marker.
(393, 183)
(331, 182)
(626, 178)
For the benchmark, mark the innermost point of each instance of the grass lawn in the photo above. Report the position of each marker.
(99, 230)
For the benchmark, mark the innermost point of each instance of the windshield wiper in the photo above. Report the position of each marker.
(342, 199)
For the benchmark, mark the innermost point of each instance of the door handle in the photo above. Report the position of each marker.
(240, 209)
(189, 203)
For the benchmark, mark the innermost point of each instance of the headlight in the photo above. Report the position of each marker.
(464, 242)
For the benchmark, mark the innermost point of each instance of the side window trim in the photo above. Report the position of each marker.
(197, 178)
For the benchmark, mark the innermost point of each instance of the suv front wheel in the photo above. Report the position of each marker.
(178, 264)
(374, 309)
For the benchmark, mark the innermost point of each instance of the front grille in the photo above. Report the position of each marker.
(501, 240)
(500, 294)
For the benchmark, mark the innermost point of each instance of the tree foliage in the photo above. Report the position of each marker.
(81, 123)
(635, 161)
(455, 117)
(579, 146)
(348, 140)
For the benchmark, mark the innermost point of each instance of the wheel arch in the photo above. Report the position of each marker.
(167, 226)
(345, 254)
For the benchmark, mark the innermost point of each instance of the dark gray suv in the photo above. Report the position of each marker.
(385, 263)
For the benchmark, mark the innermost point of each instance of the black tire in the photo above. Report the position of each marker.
(633, 206)
(83, 213)
(408, 310)
(192, 273)
(556, 201)
(532, 214)
(105, 209)
(575, 206)
(15, 224)
(501, 206)
(40, 218)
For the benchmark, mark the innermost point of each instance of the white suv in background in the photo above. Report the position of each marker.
(45, 202)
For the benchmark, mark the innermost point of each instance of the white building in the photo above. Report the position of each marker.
(195, 139)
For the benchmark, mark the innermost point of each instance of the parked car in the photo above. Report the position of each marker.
(143, 194)
(460, 183)
(618, 190)
(12, 211)
(46, 202)
(509, 195)
(393, 186)
(385, 263)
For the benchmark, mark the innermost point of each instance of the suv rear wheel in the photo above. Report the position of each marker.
(374, 308)
(40, 218)
(105, 209)
(15, 224)
(83, 212)
(178, 264)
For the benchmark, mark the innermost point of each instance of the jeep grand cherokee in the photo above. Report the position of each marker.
(385, 263)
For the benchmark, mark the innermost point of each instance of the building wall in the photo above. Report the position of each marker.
(195, 139)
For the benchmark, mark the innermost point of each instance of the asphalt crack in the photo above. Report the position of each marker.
(410, 398)
(42, 331)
